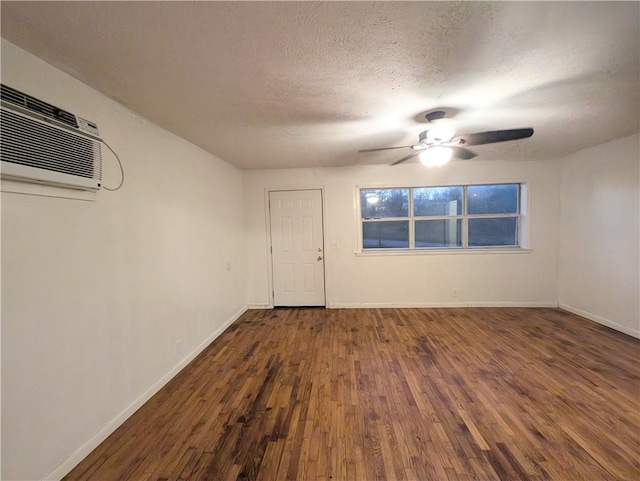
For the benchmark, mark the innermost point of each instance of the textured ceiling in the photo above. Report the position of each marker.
(308, 84)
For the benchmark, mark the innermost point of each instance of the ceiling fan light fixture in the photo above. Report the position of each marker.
(436, 156)
(442, 131)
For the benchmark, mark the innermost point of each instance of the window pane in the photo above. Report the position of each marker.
(385, 234)
(380, 203)
(439, 233)
(432, 201)
(493, 232)
(493, 199)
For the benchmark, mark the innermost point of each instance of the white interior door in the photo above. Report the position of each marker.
(297, 250)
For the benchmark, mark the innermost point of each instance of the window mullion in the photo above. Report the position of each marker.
(493, 216)
(412, 230)
(465, 223)
(383, 219)
(518, 221)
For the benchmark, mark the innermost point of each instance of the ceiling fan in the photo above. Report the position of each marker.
(438, 144)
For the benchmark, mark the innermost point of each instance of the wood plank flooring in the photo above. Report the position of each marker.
(391, 394)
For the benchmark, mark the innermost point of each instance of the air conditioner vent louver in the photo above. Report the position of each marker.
(34, 144)
(42, 144)
(13, 96)
(16, 97)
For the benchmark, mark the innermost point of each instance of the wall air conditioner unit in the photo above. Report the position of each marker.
(40, 143)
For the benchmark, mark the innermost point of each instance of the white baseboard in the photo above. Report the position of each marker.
(259, 306)
(552, 304)
(82, 452)
(382, 305)
(601, 320)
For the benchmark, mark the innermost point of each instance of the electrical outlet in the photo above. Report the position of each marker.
(454, 292)
(179, 346)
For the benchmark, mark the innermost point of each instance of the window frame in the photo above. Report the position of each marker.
(522, 222)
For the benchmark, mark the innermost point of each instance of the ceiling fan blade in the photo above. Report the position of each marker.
(462, 153)
(493, 136)
(385, 148)
(405, 158)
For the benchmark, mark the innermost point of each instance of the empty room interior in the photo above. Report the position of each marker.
(320, 240)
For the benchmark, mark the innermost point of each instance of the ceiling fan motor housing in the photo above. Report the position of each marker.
(425, 140)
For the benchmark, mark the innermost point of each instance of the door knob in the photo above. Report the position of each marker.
(319, 258)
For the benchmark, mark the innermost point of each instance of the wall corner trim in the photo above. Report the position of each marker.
(83, 451)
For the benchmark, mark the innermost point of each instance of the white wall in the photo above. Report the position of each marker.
(599, 242)
(96, 294)
(528, 279)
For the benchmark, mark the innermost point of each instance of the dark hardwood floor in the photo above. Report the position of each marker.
(391, 394)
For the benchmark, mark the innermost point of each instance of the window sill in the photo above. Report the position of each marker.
(421, 252)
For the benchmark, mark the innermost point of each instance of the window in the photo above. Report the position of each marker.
(450, 217)
(437, 213)
(387, 214)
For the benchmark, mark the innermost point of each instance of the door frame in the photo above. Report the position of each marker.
(269, 245)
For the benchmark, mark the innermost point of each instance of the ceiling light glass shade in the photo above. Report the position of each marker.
(435, 156)
(442, 131)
